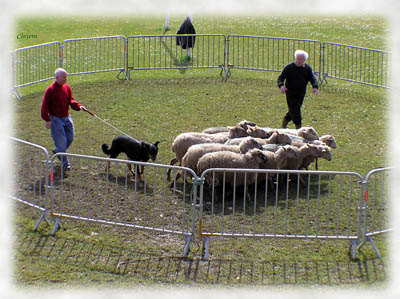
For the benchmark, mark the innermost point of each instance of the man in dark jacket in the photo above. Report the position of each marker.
(293, 82)
(186, 42)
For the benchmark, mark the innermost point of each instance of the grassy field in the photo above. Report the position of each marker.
(159, 105)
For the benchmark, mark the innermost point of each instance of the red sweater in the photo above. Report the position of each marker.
(56, 101)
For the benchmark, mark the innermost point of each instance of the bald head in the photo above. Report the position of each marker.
(61, 76)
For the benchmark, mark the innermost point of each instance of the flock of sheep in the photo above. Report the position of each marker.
(248, 146)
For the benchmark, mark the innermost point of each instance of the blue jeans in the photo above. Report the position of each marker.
(62, 132)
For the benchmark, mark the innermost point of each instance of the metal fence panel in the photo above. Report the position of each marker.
(35, 64)
(31, 180)
(355, 64)
(269, 53)
(282, 204)
(94, 55)
(93, 191)
(161, 52)
(377, 197)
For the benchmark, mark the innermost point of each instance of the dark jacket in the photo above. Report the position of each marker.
(296, 78)
(186, 41)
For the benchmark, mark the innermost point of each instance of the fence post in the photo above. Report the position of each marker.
(196, 204)
(60, 54)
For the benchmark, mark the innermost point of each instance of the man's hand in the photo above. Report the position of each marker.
(283, 89)
(83, 108)
(48, 124)
(315, 90)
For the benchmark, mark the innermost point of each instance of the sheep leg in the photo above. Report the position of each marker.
(173, 161)
(177, 176)
(316, 164)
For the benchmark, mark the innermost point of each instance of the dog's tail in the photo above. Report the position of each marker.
(105, 149)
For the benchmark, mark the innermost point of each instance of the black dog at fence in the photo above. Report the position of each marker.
(135, 150)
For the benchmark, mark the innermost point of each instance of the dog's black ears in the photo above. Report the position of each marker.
(156, 143)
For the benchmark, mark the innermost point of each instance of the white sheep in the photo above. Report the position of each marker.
(329, 140)
(275, 138)
(214, 130)
(305, 155)
(240, 129)
(311, 152)
(251, 160)
(308, 133)
(185, 140)
(195, 152)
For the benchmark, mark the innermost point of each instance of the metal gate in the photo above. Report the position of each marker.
(355, 64)
(376, 205)
(152, 52)
(31, 176)
(94, 55)
(281, 204)
(269, 53)
(34, 64)
(104, 191)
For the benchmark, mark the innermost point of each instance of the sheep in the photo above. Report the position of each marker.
(195, 152)
(214, 130)
(240, 129)
(237, 131)
(329, 140)
(275, 138)
(185, 140)
(246, 124)
(305, 155)
(224, 159)
(310, 152)
(276, 160)
(259, 132)
(308, 133)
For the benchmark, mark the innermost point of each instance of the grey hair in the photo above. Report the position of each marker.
(60, 71)
(301, 52)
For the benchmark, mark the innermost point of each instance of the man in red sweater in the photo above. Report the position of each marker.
(56, 101)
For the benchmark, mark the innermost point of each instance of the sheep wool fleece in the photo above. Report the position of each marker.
(295, 80)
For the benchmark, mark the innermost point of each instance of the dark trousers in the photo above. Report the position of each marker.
(294, 101)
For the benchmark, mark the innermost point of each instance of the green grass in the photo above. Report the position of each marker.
(158, 105)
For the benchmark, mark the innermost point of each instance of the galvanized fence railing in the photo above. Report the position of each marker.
(31, 178)
(161, 52)
(376, 212)
(269, 53)
(155, 52)
(94, 55)
(266, 203)
(34, 64)
(281, 204)
(104, 191)
(355, 64)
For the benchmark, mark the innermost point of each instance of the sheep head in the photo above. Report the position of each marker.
(329, 140)
(257, 132)
(315, 151)
(248, 144)
(246, 124)
(258, 156)
(237, 131)
(308, 133)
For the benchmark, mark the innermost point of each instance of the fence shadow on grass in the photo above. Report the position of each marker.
(121, 261)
